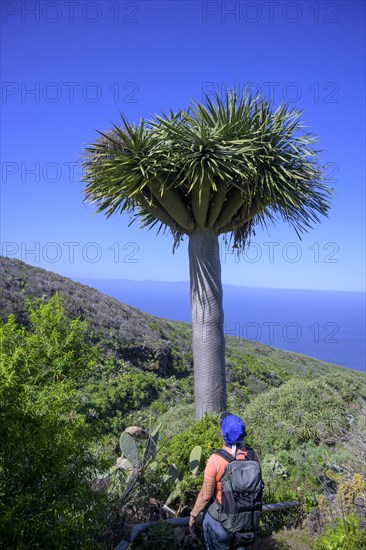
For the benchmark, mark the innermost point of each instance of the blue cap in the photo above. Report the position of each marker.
(233, 429)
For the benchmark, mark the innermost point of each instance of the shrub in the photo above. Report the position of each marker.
(300, 411)
(46, 466)
(203, 432)
(116, 396)
(348, 531)
(344, 535)
(177, 451)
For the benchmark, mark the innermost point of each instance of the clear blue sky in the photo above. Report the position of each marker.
(86, 61)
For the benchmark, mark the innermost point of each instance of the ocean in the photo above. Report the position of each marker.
(326, 325)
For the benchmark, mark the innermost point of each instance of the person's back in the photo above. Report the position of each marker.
(232, 519)
(216, 465)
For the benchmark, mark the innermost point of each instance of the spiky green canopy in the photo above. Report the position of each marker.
(226, 165)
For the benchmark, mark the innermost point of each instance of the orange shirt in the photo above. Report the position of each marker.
(216, 466)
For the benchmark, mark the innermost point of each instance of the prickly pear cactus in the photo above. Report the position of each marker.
(137, 432)
(173, 473)
(129, 449)
(151, 444)
(195, 460)
(176, 493)
(123, 464)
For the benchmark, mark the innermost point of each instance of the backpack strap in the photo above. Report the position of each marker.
(215, 505)
(250, 451)
(224, 454)
(229, 457)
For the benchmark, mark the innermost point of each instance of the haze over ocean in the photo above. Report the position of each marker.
(326, 325)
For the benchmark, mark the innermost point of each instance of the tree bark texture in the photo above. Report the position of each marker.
(208, 340)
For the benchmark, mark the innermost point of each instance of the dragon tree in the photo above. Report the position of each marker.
(220, 167)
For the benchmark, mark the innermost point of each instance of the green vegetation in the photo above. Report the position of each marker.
(345, 535)
(46, 464)
(64, 403)
(345, 525)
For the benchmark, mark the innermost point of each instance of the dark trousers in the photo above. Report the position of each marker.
(216, 537)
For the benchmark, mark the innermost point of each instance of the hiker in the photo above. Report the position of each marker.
(233, 503)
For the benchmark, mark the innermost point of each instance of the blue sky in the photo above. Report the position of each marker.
(70, 67)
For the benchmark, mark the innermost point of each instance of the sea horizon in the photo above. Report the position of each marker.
(85, 280)
(325, 324)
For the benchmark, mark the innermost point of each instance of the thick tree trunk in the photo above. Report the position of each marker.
(207, 322)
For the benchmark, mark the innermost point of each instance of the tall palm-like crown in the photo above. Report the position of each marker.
(225, 165)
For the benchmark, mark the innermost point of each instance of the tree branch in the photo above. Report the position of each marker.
(243, 217)
(235, 200)
(149, 203)
(172, 202)
(216, 204)
(200, 201)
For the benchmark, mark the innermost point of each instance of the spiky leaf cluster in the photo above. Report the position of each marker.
(226, 165)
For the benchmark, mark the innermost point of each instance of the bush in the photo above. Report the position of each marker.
(344, 535)
(349, 507)
(177, 450)
(203, 432)
(46, 466)
(298, 412)
(110, 399)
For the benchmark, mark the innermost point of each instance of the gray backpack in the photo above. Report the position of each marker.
(242, 489)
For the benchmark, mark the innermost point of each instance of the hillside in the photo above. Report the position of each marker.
(131, 334)
(137, 342)
(148, 342)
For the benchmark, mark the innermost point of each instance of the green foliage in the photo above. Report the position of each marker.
(349, 386)
(273, 468)
(128, 341)
(292, 470)
(136, 457)
(299, 411)
(177, 419)
(203, 432)
(123, 332)
(348, 531)
(201, 439)
(346, 534)
(226, 164)
(244, 366)
(195, 459)
(46, 466)
(111, 398)
(294, 428)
